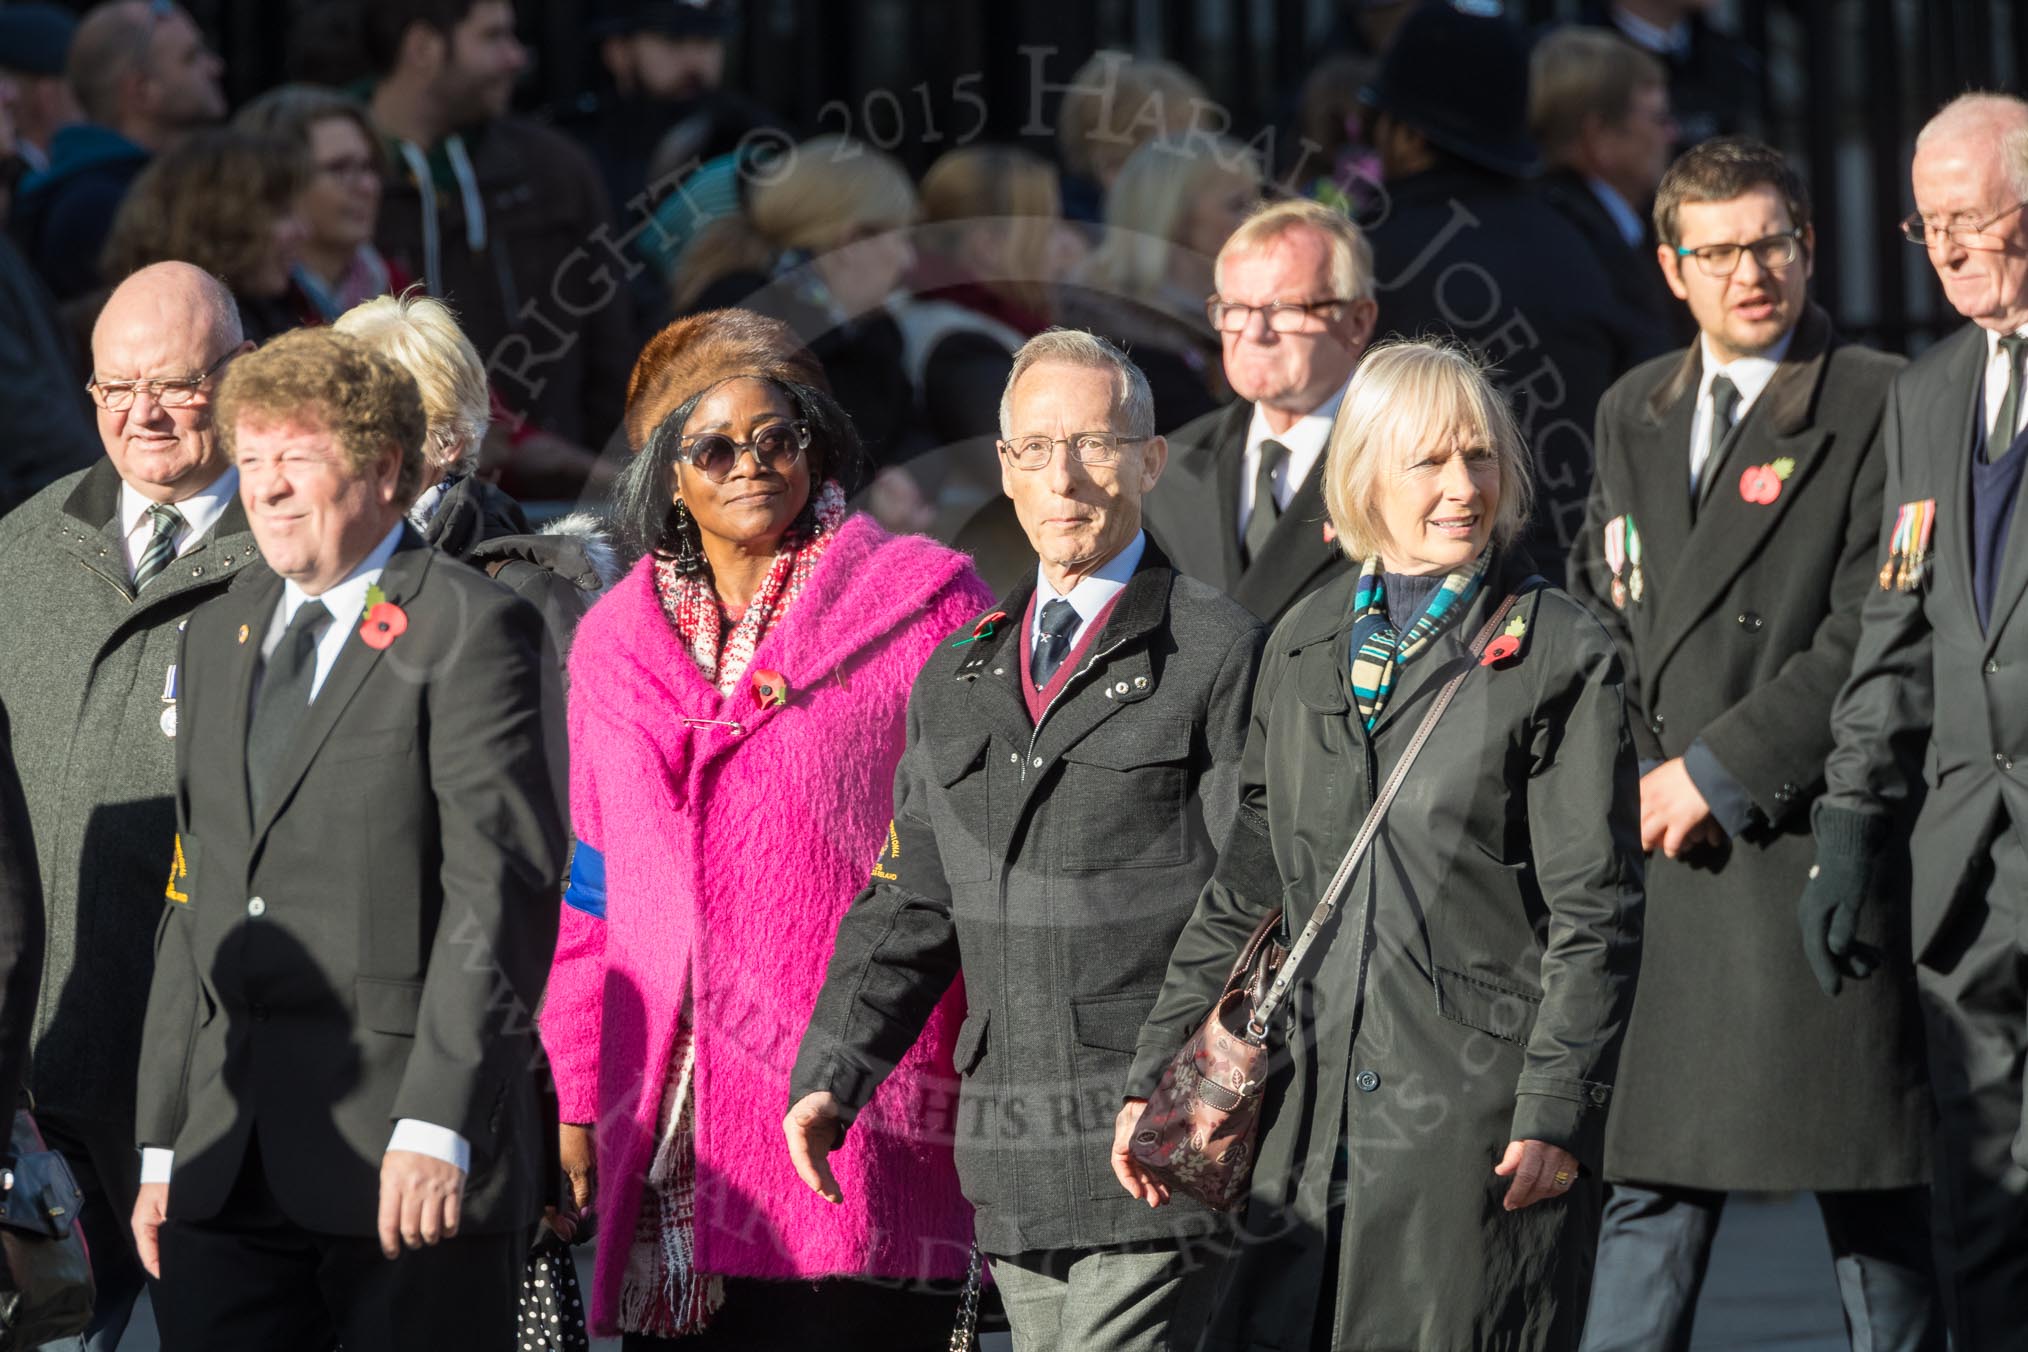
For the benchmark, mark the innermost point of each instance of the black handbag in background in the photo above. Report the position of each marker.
(45, 1274)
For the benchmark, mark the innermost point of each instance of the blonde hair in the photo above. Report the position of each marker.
(1147, 205)
(323, 378)
(1115, 104)
(1011, 190)
(422, 336)
(812, 197)
(1351, 254)
(1578, 73)
(1405, 397)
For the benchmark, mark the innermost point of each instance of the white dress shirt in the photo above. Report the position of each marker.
(1093, 592)
(1996, 387)
(1749, 375)
(200, 511)
(346, 601)
(1625, 219)
(1305, 440)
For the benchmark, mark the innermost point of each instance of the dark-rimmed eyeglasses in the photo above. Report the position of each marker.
(1283, 316)
(1770, 251)
(1087, 448)
(117, 396)
(775, 448)
(1916, 230)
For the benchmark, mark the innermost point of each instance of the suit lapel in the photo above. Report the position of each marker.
(1659, 481)
(256, 613)
(1729, 530)
(1294, 554)
(400, 580)
(1229, 463)
(993, 668)
(1957, 405)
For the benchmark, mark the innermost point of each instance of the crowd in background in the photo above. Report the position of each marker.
(1077, 533)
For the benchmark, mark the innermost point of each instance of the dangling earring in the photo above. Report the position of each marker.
(686, 557)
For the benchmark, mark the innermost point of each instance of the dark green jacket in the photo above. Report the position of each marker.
(1054, 867)
(1474, 992)
(83, 665)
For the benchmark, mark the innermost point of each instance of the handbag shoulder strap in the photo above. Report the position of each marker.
(1264, 1012)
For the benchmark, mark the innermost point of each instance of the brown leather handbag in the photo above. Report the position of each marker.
(1197, 1133)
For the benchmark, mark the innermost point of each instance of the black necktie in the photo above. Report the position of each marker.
(1260, 523)
(161, 548)
(1059, 622)
(2004, 426)
(284, 697)
(1724, 404)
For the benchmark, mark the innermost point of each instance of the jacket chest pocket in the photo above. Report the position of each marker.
(1123, 800)
(961, 810)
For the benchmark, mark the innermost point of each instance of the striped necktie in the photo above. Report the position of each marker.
(161, 550)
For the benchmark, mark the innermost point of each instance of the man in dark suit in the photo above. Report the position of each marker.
(1728, 548)
(1242, 503)
(1071, 764)
(339, 1061)
(1599, 108)
(1932, 728)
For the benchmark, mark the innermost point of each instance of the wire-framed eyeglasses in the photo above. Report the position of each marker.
(1087, 448)
(1965, 234)
(116, 396)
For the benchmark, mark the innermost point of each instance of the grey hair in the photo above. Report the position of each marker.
(1133, 402)
(1981, 111)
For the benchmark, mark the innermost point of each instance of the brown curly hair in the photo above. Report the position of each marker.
(210, 202)
(332, 379)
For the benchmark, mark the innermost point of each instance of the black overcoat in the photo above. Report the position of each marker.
(1739, 1072)
(1474, 993)
(1053, 866)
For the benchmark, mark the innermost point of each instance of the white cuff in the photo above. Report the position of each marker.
(156, 1163)
(426, 1138)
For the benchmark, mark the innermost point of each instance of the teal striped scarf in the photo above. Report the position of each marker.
(1378, 653)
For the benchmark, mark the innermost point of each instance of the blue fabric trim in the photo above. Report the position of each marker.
(587, 890)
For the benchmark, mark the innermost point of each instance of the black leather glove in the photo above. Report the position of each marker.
(1841, 883)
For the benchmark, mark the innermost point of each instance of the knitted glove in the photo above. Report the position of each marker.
(1841, 883)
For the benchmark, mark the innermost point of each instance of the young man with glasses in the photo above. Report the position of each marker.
(1728, 546)
(1072, 762)
(1294, 310)
(1937, 684)
(98, 573)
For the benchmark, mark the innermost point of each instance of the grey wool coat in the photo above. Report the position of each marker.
(83, 668)
(1474, 991)
(1739, 1071)
(1053, 867)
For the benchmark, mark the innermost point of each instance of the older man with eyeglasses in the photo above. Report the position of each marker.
(1932, 728)
(97, 574)
(1072, 763)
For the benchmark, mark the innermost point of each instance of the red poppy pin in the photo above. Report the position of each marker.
(384, 621)
(769, 689)
(1762, 484)
(987, 626)
(1507, 645)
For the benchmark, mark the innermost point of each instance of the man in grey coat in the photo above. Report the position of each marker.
(97, 574)
(1932, 727)
(1072, 759)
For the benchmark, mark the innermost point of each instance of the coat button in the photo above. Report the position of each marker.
(1368, 1081)
(2000, 759)
(1749, 621)
(1599, 1094)
(1014, 757)
(1120, 688)
(256, 907)
(1992, 667)
(1037, 762)
(1655, 725)
(999, 671)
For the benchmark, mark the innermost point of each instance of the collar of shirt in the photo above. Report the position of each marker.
(1625, 219)
(1092, 591)
(346, 600)
(1671, 41)
(1305, 439)
(1996, 379)
(1749, 375)
(200, 510)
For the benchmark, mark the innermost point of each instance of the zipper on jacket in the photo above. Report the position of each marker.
(1076, 676)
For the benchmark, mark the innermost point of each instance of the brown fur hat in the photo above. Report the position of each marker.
(698, 351)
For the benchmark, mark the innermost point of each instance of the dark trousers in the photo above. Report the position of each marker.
(250, 1280)
(108, 1170)
(839, 1315)
(1655, 1246)
(1973, 980)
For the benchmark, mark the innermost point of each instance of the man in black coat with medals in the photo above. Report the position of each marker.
(342, 1111)
(1932, 729)
(1241, 505)
(1728, 548)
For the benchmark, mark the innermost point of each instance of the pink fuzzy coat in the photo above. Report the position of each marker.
(730, 857)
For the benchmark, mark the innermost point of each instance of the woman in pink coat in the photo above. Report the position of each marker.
(736, 708)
